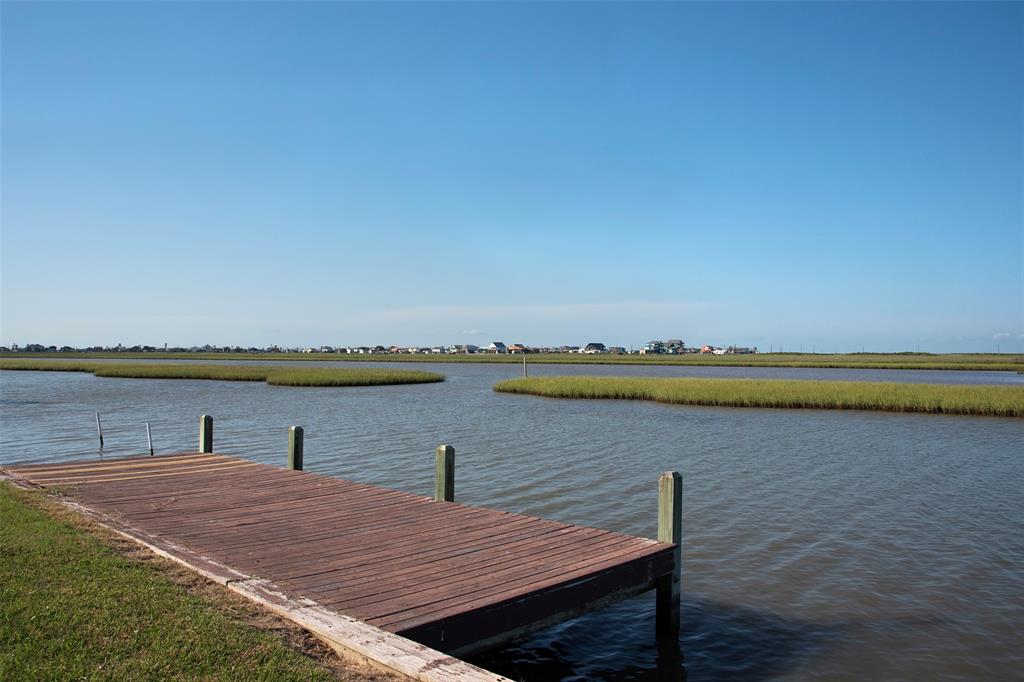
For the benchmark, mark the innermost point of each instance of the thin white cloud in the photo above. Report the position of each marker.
(1001, 335)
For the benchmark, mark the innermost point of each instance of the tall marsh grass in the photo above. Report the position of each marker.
(964, 361)
(998, 401)
(275, 376)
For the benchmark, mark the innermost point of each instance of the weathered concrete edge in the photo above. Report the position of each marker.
(352, 639)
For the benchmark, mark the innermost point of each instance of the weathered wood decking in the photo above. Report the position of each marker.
(452, 577)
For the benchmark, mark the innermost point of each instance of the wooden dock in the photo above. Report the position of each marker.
(451, 577)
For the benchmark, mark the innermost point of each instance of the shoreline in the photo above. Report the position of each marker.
(176, 624)
(897, 361)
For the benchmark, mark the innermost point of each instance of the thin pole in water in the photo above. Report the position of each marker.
(99, 429)
(149, 437)
(295, 438)
(444, 474)
(206, 433)
(670, 531)
(525, 372)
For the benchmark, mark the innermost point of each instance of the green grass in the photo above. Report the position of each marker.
(998, 401)
(72, 608)
(276, 376)
(971, 361)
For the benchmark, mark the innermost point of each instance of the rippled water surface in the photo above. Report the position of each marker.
(817, 544)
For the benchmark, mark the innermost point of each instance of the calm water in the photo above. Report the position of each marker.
(817, 544)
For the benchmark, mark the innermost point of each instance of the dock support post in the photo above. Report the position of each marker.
(99, 429)
(295, 434)
(670, 530)
(206, 433)
(444, 476)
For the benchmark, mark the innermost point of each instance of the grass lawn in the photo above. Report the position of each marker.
(996, 401)
(80, 602)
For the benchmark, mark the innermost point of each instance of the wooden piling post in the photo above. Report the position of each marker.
(670, 530)
(526, 373)
(149, 437)
(206, 433)
(444, 476)
(295, 434)
(99, 429)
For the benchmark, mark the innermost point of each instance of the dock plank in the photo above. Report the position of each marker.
(451, 576)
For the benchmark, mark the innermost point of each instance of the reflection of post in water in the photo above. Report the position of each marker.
(670, 663)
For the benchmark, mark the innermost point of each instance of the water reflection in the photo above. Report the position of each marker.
(718, 641)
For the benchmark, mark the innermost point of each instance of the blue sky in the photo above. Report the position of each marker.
(831, 176)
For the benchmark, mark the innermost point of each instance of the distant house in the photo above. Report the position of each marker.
(616, 350)
(675, 346)
(518, 348)
(594, 348)
(709, 350)
(652, 348)
(497, 347)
